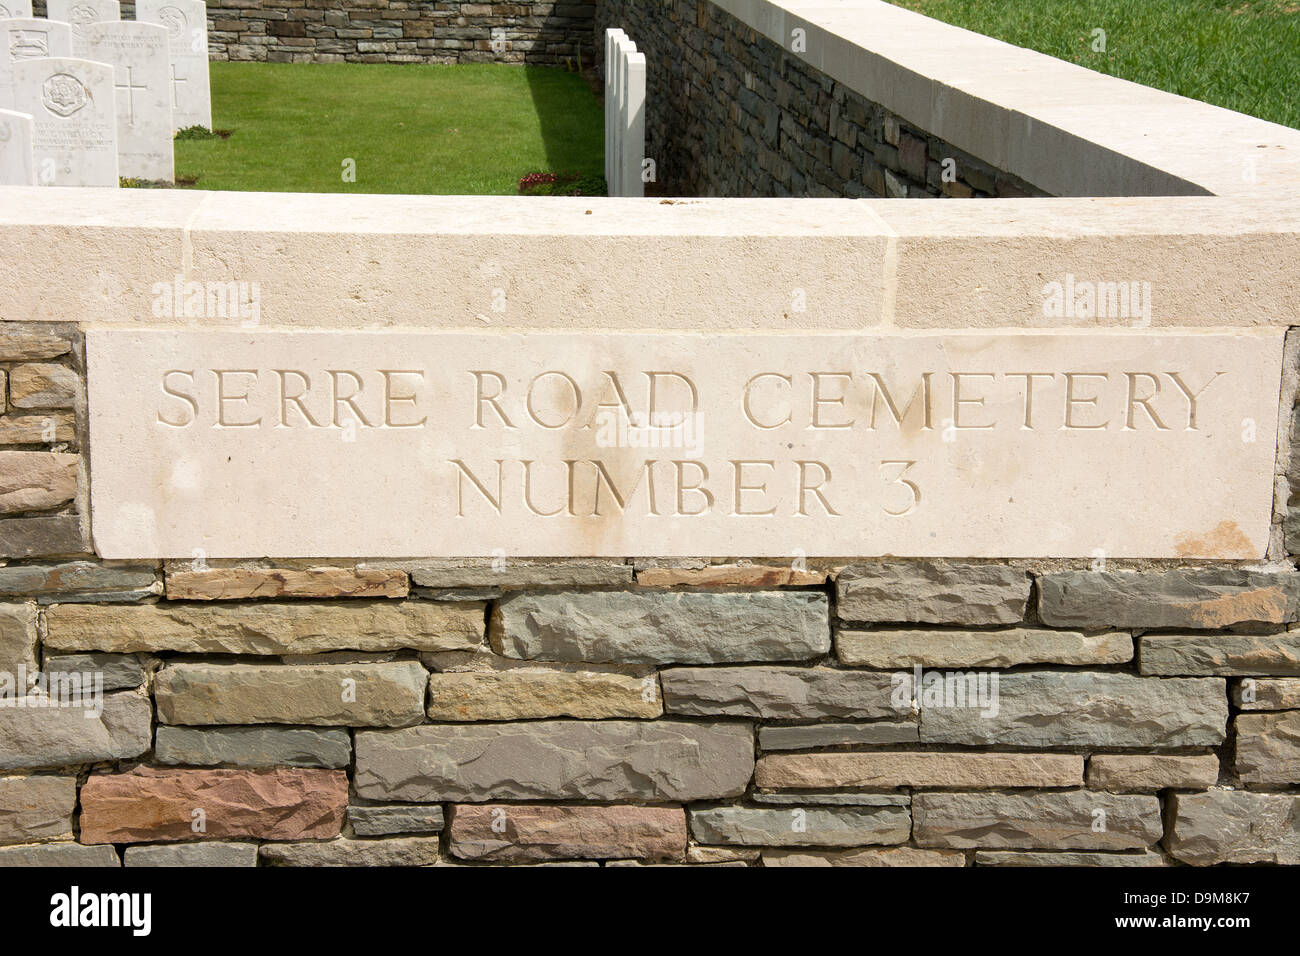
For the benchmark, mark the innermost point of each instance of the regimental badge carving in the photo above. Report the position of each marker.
(64, 94)
(82, 15)
(174, 19)
(29, 44)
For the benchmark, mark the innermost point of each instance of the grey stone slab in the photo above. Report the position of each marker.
(1067, 858)
(36, 808)
(1220, 654)
(1234, 826)
(253, 746)
(1047, 820)
(556, 759)
(42, 536)
(1268, 748)
(521, 574)
(1086, 708)
(662, 627)
(58, 855)
(382, 821)
(208, 854)
(893, 648)
(344, 695)
(118, 671)
(17, 638)
(32, 737)
(1206, 598)
(779, 692)
(806, 737)
(765, 826)
(394, 851)
(832, 799)
(77, 580)
(932, 593)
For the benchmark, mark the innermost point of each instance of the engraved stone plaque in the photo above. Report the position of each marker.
(408, 443)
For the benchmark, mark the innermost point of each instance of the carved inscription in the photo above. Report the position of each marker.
(376, 444)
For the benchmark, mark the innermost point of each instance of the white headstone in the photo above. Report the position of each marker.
(25, 38)
(624, 115)
(17, 162)
(138, 54)
(82, 13)
(74, 122)
(633, 124)
(612, 35)
(621, 46)
(15, 8)
(187, 43)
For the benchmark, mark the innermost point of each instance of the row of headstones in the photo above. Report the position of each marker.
(86, 97)
(624, 115)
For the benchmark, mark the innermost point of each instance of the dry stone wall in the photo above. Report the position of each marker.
(624, 712)
(393, 31)
(731, 113)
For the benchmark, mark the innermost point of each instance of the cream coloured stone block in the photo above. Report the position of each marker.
(715, 264)
(404, 444)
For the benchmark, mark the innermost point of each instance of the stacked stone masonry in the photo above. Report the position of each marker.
(712, 712)
(393, 31)
(731, 113)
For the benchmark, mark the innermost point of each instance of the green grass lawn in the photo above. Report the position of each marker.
(1242, 54)
(450, 130)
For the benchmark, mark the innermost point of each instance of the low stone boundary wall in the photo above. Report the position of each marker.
(461, 712)
(262, 602)
(730, 112)
(775, 98)
(711, 710)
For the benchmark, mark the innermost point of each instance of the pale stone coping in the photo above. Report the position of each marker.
(339, 261)
(1064, 128)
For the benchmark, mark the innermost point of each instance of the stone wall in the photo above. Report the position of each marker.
(393, 31)
(622, 712)
(731, 113)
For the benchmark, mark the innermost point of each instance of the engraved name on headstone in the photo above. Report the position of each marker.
(74, 121)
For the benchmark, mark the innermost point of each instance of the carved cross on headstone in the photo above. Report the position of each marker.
(176, 80)
(130, 95)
